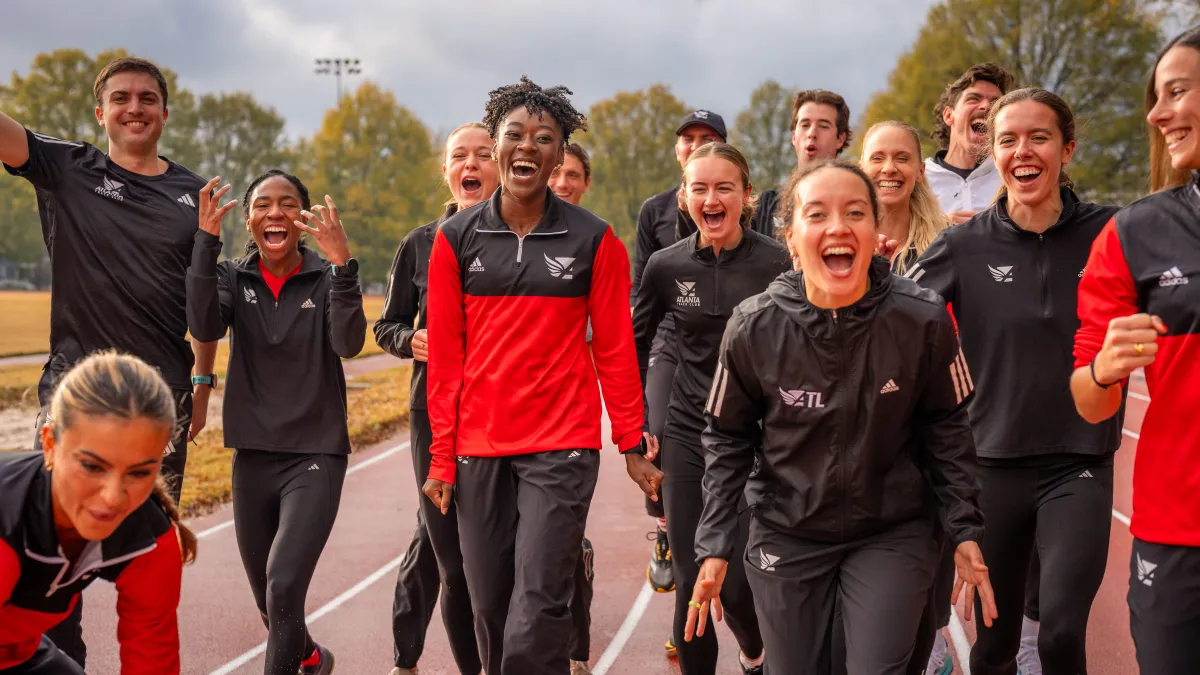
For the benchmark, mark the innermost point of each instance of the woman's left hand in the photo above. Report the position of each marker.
(327, 231)
(973, 576)
(707, 590)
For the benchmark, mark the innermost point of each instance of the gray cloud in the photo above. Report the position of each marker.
(441, 58)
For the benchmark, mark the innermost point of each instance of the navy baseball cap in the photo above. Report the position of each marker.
(708, 118)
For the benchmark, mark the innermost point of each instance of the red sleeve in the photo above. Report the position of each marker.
(445, 321)
(612, 342)
(1106, 292)
(147, 600)
(10, 571)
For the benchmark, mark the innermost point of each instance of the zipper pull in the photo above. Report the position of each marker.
(834, 313)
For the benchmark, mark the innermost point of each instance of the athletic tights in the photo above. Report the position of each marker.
(284, 506)
(683, 500)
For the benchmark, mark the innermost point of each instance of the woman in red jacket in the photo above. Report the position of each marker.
(92, 505)
(1139, 307)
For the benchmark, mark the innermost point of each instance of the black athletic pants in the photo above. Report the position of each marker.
(1164, 607)
(660, 377)
(434, 562)
(521, 520)
(48, 660)
(881, 583)
(68, 634)
(284, 506)
(1063, 506)
(683, 500)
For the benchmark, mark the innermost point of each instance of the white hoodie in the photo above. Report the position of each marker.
(975, 193)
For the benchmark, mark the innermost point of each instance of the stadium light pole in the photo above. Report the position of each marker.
(336, 67)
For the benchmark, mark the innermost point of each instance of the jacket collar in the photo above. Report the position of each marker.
(789, 294)
(432, 228)
(706, 257)
(1070, 205)
(311, 261)
(552, 221)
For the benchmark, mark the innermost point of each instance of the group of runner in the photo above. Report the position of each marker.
(876, 389)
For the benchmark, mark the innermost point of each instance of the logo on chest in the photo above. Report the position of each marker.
(111, 189)
(687, 294)
(560, 268)
(799, 398)
(1002, 274)
(250, 296)
(476, 266)
(1172, 277)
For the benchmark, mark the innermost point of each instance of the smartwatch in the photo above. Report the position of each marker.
(639, 449)
(210, 380)
(348, 270)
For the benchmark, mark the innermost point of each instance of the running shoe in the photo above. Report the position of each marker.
(658, 572)
(1029, 662)
(580, 668)
(940, 660)
(672, 653)
(760, 669)
(405, 671)
(324, 663)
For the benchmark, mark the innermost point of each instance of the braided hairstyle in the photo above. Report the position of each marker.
(536, 100)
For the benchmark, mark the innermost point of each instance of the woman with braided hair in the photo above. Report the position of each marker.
(512, 392)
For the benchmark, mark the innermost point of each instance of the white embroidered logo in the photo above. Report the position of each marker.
(559, 267)
(798, 398)
(1002, 274)
(889, 388)
(111, 189)
(314, 467)
(1145, 570)
(766, 561)
(250, 296)
(476, 266)
(187, 201)
(308, 304)
(1172, 277)
(687, 294)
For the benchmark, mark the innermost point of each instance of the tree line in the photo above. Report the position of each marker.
(380, 161)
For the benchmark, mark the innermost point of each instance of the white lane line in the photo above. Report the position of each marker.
(357, 467)
(1121, 517)
(625, 631)
(1132, 434)
(962, 647)
(312, 618)
(1140, 397)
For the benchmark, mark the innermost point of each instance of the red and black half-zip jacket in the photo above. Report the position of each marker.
(1147, 259)
(510, 372)
(285, 388)
(39, 586)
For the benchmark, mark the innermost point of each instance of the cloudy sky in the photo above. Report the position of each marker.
(441, 57)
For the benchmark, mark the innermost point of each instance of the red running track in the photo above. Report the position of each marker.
(349, 603)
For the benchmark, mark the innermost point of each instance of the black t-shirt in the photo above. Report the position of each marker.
(120, 245)
(940, 158)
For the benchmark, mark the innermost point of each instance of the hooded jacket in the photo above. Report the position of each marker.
(860, 414)
(285, 387)
(39, 586)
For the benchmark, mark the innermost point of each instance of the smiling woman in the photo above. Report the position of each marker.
(92, 504)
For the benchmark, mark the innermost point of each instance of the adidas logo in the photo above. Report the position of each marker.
(476, 266)
(308, 304)
(889, 388)
(250, 296)
(314, 467)
(1002, 274)
(766, 561)
(1086, 474)
(1145, 570)
(687, 294)
(110, 188)
(187, 200)
(462, 460)
(1172, 277)
(559, 267)
(574, 453)
(1081, 272)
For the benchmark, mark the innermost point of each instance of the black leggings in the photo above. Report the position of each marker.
(1064, 508)
(284, 506)
(1164, 607)
(47, 660)
(683, 500)
(660, 377)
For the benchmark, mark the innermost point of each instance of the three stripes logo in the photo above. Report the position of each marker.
(1145, 570)
(716, 395)
(1172, 277)
(889, 388)
(766, 561)
(187, 200)
(961, 376)
(574, 454)
(559, 267)
(314, 467)
(308, 304)
(476, 266)
(250, 295)
(1087, 473)
(1002, 274)
(111, 189)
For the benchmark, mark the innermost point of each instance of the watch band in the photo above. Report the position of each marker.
(210, 380)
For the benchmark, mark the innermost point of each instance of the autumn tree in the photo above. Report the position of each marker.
(377, 160)
(762, 133)
(632, 141)
(1101, 77)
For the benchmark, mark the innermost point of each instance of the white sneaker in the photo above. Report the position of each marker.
(404, 671)
(1029, 662)
(940, 661)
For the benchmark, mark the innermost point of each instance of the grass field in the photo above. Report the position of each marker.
(377, 410)
(25, 329)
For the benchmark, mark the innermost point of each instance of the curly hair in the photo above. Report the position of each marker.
(503, 100)
(980, 72)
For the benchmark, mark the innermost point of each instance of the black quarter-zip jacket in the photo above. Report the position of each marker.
(1015, 296)
(699, 291)
(860, 414)
(404, 305)
(285, 387)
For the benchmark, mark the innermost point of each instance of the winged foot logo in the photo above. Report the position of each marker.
(1002, 274)
(560, 268)
(687, 294)
(799, 398)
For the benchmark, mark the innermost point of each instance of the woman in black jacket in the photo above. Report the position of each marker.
(839, 409)
(294, 315)
(1011, 275)
(697, 282)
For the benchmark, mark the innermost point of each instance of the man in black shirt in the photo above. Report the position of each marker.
(119, 230)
